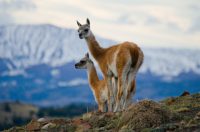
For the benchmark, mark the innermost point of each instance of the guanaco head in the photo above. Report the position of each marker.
(84, 63)
(84, 30)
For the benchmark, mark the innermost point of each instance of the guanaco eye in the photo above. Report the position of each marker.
(86, 30)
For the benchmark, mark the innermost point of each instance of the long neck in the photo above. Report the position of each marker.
(94, 47)
(92, 76)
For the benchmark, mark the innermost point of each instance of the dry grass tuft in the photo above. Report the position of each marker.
(145, 114)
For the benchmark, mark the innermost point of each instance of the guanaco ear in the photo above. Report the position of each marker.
(78, 23)
(88, 21)
(87, 55)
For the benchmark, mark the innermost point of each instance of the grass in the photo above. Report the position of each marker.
(172, 114)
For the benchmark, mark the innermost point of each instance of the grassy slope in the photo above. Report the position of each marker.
(172, 114)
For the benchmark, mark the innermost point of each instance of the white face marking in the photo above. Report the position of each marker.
(84, 31)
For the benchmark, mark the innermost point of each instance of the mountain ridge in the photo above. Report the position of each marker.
(26, 45)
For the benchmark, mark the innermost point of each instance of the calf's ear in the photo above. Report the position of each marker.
(87, 55)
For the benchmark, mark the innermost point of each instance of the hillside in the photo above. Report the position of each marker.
(172, 114)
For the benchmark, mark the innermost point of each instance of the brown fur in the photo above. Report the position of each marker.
(121, 61)
(98, 87)
(104, 57)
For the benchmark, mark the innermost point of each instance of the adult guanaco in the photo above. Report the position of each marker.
(121, 62)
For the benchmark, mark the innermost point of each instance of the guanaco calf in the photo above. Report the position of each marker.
(121, 62)
(98, 87)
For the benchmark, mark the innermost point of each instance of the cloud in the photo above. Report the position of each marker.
(174, 26)
(195, 26)
(9, 7)
(16, 4)
(125, 19)
(148, 23)
(151, 20)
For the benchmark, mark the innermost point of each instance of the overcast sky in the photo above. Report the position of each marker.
(150, 23)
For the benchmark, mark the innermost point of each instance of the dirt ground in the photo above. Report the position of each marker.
(172, 114)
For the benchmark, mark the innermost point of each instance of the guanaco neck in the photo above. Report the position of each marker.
(94, 47)
(92, 76)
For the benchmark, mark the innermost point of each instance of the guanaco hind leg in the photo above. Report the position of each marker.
(114, 86)
(126, 82)
(130, 77)
(131, 91)
(104, 107)
(110, 93)
(119, 95)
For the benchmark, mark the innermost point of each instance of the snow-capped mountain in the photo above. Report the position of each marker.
(37, 66)
(29, 45)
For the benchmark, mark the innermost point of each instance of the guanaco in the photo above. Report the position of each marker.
(98, 87)
(121, 62)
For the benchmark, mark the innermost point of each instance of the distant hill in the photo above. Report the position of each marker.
(12, 113)
(172, 114)
(17, 113)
